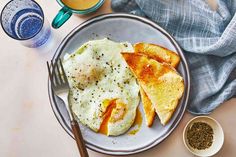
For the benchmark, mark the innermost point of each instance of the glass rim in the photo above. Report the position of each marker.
(82, 11)
(20, 39)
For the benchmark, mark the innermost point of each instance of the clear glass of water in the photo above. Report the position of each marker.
(24, 21)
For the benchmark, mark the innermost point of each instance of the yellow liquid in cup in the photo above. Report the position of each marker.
(80, 4)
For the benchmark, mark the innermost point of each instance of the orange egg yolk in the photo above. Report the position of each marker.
(104, 128)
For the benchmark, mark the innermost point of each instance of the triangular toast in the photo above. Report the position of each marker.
(162, 84)
(160, 54)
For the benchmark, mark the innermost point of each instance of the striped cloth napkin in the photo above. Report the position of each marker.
(208, 38)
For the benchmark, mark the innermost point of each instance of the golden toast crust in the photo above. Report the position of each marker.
(148, 108)
(159, 53)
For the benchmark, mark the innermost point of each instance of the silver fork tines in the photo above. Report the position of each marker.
(58, 77)
(59, 82)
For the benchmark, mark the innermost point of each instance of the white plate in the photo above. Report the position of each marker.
(131, 28)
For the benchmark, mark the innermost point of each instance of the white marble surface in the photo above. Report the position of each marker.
(28, 127)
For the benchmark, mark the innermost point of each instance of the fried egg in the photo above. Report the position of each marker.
(104, 92)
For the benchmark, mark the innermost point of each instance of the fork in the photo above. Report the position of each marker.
(60, 86)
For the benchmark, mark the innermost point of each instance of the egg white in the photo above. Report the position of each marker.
(97, 72)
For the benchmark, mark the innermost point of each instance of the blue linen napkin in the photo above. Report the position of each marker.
(208, 38)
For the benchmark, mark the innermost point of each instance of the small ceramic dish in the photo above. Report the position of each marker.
(218, 136)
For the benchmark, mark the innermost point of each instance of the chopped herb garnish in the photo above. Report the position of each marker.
(200, 135)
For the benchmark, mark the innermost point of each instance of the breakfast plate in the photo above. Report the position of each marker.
(122, 28)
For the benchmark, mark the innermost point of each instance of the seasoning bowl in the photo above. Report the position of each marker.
(218, 136)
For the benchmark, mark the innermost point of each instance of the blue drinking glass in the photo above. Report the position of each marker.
(24, 21)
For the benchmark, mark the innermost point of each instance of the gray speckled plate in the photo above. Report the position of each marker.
(131, 28)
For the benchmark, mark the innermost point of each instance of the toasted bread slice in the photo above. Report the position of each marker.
(162, 84)
(158, 53)
(148, 108)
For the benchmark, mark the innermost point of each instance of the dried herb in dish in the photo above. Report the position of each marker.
(200, 135)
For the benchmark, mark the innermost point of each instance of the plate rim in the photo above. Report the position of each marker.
(173, 42)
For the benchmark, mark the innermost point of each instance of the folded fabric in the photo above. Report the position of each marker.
(208, 38)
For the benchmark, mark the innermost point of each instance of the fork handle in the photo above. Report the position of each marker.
(79, 139)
